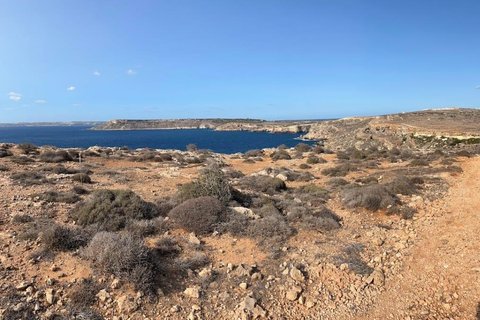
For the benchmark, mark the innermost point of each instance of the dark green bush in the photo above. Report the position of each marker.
(199, 215)
(110, 209)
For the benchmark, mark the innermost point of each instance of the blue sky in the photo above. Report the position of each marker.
(64, 60)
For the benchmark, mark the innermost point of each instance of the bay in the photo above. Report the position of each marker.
(81, 137)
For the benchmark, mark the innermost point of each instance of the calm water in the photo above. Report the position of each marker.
(80, 136)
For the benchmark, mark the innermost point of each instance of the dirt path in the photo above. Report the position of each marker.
(441, 276)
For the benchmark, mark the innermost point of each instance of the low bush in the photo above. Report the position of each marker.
(84, 293)
(235, 223)
(64, 197)
(5, 153)
(304, 166)
(314, 190)
(28, 148)
(254, 153)
(402, 185)
(262, 183)
(302, 147)
(4, 168)
(199, 215)
(52, 156)
(28, 178)
(124, 256)
(371, 197)
(336, 183)
(110, 209)
(82, 178)
(23, 160)
(212, 182)
(63, 238)
(318, 149)
(194, 261)
(280, 154)
(272, 228)
(339, 171)
(22, 218)
(418, 163)
(321, 220)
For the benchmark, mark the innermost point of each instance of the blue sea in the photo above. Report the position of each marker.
(81, 137)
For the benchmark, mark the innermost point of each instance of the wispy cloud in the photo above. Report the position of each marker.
(15, 96)
(478, 87)
(96, 73)
(131, 72)
(71, 88)
(41, 101)
(77, 104)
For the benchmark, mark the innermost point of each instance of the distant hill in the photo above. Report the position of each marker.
(216, 124)
(426, 128)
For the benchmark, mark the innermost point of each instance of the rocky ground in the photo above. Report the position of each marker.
(372, 234)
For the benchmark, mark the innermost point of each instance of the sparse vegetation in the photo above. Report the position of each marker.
(62, 238)
(371, 197)
(212, 182)
(82, 178)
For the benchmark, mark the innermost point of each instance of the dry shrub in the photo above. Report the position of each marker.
(23, 160)
(371, 197)
(63, 238)
(235, 223)
(124, 256)
(315, 160)
(323, 220)
(340, 170)
(402, 185)
(254, 153)
(5, 153)
(199, 215)
(143, 228)
(302, 147)
(318, 149)
(63, 197)
(211, 183)
(84, 293)
(110, 209)
(262, 183)
(51, 156)
(82, 178)
(336, 183)
(28, 178)
(280, 154)
(304, 166)
(272, 228)
(28, 148)
(167, 245)
(195, 260)
(418, 163)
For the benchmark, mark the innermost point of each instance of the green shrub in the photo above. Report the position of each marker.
(110, 209)
(199, 215)
(210, 183)
(82, 178)
(124, 256)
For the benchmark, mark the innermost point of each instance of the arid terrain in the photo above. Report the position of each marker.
(342, 231)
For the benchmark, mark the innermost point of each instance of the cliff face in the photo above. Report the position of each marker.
(429, 128)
